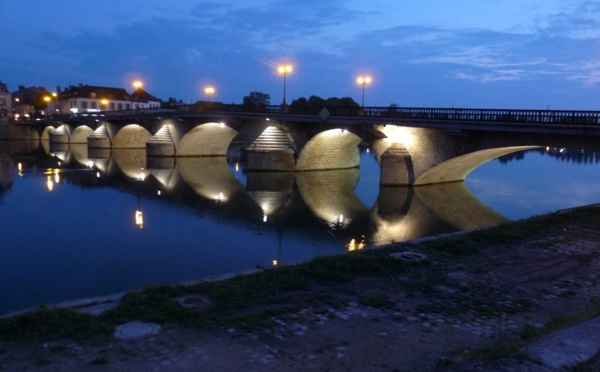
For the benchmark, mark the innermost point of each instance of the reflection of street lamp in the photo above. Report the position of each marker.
(284, 70)
(209, 91)
(139, 219)
(363, 80)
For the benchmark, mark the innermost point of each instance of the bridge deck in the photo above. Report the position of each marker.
(482, 119)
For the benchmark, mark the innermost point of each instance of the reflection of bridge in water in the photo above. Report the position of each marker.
(306, 202)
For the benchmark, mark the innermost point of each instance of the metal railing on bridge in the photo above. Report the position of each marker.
(395, 113)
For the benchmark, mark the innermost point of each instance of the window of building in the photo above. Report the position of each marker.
(93, 104)
(128, 107)
(84, 104)
(120, 106)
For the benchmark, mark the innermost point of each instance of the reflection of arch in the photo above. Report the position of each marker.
(80, 134)
(163, 170)
(332, 149)
(455, 204)
(80, 153)
(131, 162)
(131, 136)
(210, 177)
(210, 139)
(457, 169)
(330, 194)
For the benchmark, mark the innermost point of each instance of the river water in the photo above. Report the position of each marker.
(78, 224)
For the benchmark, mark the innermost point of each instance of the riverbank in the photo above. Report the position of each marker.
(463, 302)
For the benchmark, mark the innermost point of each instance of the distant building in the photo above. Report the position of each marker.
(5, 102)
(140, 99)
(27, 102)
(88, 98)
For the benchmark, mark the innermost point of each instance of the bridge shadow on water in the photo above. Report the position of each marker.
(312, 203)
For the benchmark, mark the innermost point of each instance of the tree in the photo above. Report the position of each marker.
(257, 99)
(314, 104)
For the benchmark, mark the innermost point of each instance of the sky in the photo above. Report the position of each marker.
(522, 54)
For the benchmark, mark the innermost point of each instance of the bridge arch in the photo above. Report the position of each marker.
(331, 149)
(132, 136)
(45, 134)
(456, 169)
(208, 139)
(80, 134)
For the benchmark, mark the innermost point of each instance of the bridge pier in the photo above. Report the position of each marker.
(270, 160)
(57, 137)
(396, 167)
(160, 149)
(99, 142)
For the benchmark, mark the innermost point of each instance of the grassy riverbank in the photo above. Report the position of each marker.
(464, 276)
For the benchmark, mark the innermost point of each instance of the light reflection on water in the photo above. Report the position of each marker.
(81, 236)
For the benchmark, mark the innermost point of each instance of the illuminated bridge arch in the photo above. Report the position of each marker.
(131, 136)
(331, 149)
(80, 134)
(209, 139)
(45, 134)
(456, 169)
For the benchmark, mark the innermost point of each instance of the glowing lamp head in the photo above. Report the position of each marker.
(285, 69)
(137, 84)
(363, 80)
(104, 102)
(209, 90)
(47, 98)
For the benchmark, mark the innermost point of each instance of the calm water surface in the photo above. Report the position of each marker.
(78, 225)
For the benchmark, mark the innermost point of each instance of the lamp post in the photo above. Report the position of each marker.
(209, 92)
(363, 80)
(284, 70)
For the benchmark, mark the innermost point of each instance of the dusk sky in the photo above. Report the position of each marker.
(534, 54)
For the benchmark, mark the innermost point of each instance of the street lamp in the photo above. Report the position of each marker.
(104, 103)
(363, 80)
(209, 92)
(284, 70)
(138, 84)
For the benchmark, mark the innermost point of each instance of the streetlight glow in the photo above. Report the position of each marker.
(209, 92)
(284, 70)
(363, 80)
(137, 84)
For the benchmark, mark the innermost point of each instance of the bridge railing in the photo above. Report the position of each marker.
(398, 113)
(472, 115)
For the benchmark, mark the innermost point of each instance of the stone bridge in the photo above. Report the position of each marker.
(415, 149)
